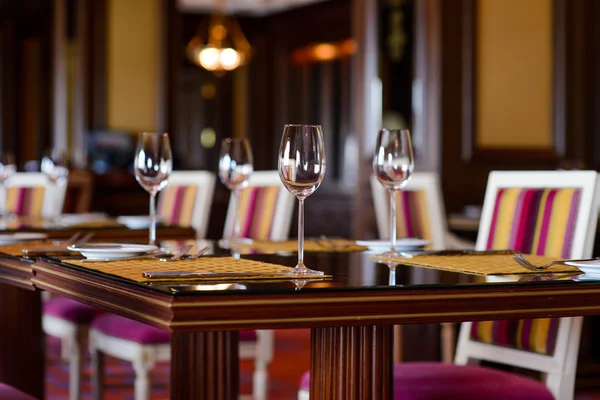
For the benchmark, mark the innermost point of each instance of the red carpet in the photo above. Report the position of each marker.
(291, 359)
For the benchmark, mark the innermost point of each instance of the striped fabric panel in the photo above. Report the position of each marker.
(176, 205)
(412, 218)
(535, 221)
(25, 201)
(257, 211)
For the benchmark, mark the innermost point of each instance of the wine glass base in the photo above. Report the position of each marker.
(392, 253)
(301, 271)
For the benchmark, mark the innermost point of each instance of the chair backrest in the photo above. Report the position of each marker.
(550, 213)
(419, 209)
(31, 194)
(265, 209)
(187, 199)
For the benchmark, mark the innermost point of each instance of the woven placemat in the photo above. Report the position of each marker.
(244, 269)
(329, 245)
(16, 249)
(479, 264)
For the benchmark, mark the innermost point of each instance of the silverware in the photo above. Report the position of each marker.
(198, 253)
(518, 257)
(410, 254)
(178, 255)
(196, 274)
(43, 251)
(70, 240)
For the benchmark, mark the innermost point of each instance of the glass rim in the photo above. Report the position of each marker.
(301, 125)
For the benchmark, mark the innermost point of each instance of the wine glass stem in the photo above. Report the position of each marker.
(393, 220)
(236, 221)
(152, 218)
(392, 278)
(300, 233)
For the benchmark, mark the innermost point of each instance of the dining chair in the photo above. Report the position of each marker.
(552, 213)
(265, 209)
(187, 199)
(419, 213)
(31, 194)
(10, 393)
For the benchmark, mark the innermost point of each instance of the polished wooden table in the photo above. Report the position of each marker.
(350, 316)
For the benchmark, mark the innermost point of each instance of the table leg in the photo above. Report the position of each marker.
(205, 365)
(352, 363)
(22, 357)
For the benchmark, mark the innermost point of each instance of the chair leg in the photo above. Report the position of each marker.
(561, 386)
(97, 371)
(397, 344)
(75, 357)
(260, 380)
(448, 339)
(142, 365)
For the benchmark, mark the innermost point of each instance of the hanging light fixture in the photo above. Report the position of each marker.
(219, 45)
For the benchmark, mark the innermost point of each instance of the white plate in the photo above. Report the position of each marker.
(590, 268)
(401, 244)
(111, 250)
(10, 238)
(135, 221)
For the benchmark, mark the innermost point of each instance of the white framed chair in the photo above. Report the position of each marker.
(187, 199)
(31, 194)
(265, 209)
(519, 208)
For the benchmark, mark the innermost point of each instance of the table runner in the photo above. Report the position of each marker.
(248, 269)
(480, 264)
(328, 245)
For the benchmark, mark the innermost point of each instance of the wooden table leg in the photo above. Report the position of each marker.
(22, 357)
(352, 363)
(205, 365)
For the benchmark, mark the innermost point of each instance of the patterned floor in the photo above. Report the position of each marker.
(290, 361)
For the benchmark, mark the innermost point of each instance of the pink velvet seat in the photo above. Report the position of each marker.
(435, 381)
(71, 310)
(10, 393)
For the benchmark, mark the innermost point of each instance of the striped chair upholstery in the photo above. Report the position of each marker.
(25, 201)
(533, 221)
(176, 204)
(412, 218)
(257, 211)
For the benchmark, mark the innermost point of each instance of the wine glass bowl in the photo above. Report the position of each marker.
(393, 164)
(235, 168)
(8, 167)
(55, 166)
(152, 165)
(302, 168)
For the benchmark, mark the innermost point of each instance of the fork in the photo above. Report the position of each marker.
(518, 257)
(177, 256)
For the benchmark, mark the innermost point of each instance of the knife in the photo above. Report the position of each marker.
(410, 254)
(196, 274)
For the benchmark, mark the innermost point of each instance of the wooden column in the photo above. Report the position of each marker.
(204, 365)
(351, 363)
(22, 355)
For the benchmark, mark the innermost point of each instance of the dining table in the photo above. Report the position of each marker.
(351, 312)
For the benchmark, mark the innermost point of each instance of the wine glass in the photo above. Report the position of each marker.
(235, 168)
(301, 169)
(153, 164)
(8, 168)
(54, 166)
(393, 164)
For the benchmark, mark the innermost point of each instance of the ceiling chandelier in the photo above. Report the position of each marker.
(219, 45)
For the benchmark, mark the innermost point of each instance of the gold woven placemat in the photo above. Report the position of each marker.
(16, 249)
(133, 269)
(479, 264)
(329, 245)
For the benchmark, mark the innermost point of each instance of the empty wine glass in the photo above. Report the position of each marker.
(301, 169)
(8, 167)
(153, 164)
(235, 167)
(393, 165)
(54, 166)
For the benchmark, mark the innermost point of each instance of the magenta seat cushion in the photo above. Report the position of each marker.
(248, 336)
(436, 381)
(128, 329)
(71, 310)
(9, 393)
